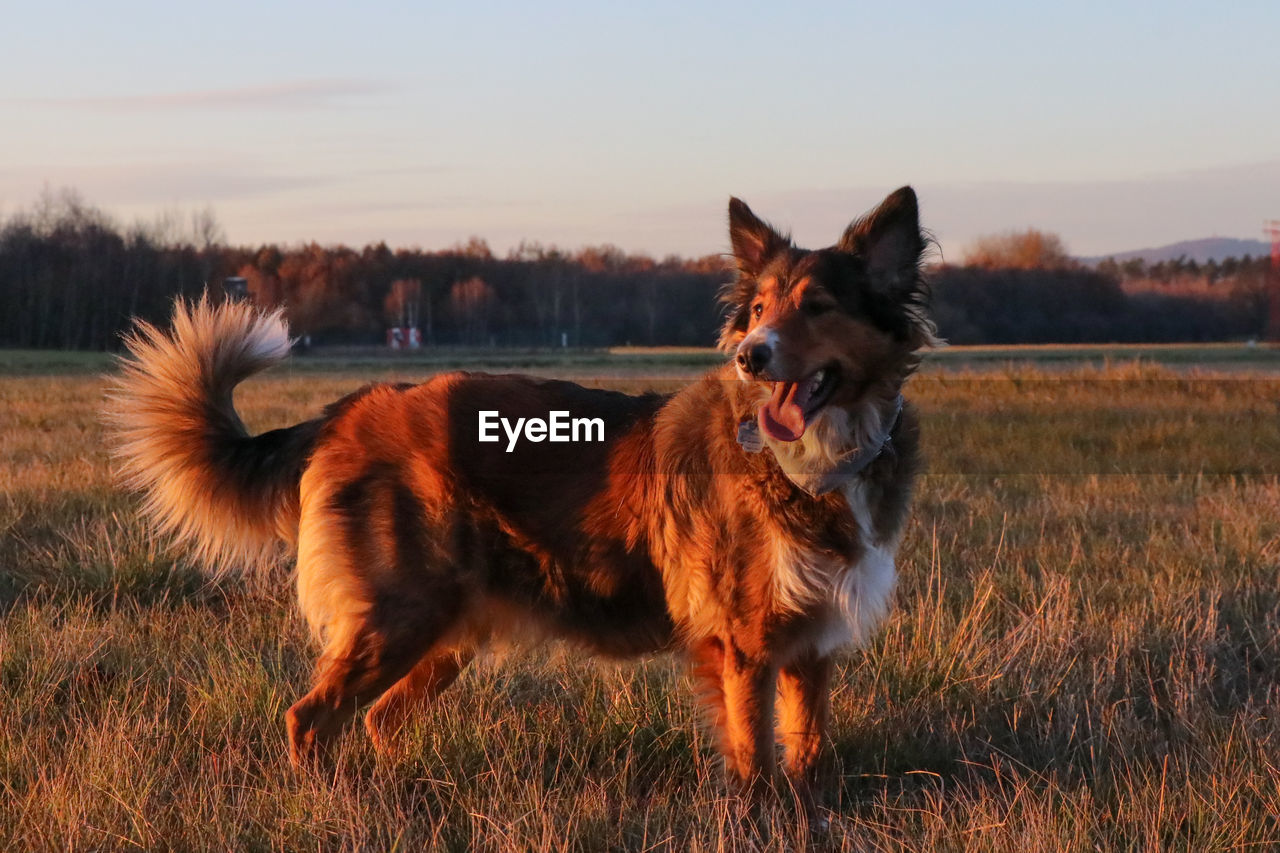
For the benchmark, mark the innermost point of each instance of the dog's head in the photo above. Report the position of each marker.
(825, 326)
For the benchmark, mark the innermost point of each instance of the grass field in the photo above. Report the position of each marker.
(1083, 655)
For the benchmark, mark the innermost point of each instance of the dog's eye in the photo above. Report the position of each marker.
(757, 310)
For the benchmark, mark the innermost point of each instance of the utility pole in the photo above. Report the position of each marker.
(1272, 229)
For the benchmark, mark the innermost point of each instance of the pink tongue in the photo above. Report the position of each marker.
(783, 416)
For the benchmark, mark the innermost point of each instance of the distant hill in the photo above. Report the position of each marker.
(1216, 248)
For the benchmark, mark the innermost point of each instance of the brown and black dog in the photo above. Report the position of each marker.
(749, 521)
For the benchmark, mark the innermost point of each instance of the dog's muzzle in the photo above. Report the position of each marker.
(753, 357)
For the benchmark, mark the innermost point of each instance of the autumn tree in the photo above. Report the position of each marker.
(475, 247)
(471, 300)
(1019, 250)
(403, 304)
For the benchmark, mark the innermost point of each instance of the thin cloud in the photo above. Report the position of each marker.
(158, 183)
(1095, 217)
(298, 94)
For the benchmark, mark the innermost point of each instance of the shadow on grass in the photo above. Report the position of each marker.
(1197, 701)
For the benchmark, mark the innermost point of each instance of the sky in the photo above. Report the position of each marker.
(1116, 125)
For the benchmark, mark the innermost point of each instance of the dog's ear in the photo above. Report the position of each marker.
(889, 240)
(754, 241)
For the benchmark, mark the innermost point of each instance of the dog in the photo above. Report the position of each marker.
(749, 521)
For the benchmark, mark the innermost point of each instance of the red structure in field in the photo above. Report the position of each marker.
(1272, 230)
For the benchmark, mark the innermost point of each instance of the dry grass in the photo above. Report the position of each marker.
(1083, 656)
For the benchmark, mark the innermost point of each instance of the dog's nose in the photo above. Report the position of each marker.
(753, 359)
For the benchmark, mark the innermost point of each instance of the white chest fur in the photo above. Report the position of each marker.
(852, 599)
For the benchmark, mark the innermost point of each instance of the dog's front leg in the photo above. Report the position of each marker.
(804, 688)
(750, 684)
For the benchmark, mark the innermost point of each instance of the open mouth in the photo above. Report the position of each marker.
(793, 404)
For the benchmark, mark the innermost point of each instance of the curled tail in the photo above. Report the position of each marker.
(230, 497)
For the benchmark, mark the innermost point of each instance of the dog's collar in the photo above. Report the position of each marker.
(850, 465)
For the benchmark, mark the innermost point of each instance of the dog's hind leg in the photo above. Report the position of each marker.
(365, 656)
(371, 579)
(430, 676)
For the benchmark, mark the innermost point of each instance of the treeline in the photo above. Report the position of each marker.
(72, 278)
(1182, 273)
(977, 305)
(535, 296)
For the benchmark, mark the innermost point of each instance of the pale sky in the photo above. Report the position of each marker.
(1118, 125)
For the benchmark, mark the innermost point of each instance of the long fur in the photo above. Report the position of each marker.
(228, 498)
(417, 543)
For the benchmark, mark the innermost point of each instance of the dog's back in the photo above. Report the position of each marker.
(403, 501)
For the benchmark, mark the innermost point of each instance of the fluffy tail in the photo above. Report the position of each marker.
(229, 497)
